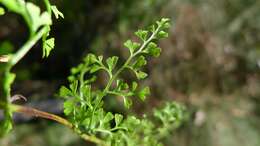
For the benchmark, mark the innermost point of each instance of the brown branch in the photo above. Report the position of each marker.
(37, 113)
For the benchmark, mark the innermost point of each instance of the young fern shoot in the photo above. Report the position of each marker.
(84, 106)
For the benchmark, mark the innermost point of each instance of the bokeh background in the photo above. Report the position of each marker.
(210, 63)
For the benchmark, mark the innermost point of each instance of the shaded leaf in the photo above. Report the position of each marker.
(153, 50)
(139, 62)
(64, 92)
(90, 59)
(6, 47)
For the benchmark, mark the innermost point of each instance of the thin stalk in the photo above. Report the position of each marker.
(117, 73)
(27, 46)
(147, 41)
(6, 88)
(130, 58)
(37, 113)
(48, 6)
(93, 139)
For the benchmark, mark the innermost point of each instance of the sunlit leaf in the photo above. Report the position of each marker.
(132, 46)
(144, 93)
(109, 116)
(48, 45)
(37, 19)
(2, 11)
(127, 102)
(162, 34)
(142, 34)
(140, 74)
(111, 62)
(118, 119)
(68, 107)
(56, 12)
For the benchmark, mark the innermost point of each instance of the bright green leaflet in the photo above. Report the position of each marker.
(2, 11)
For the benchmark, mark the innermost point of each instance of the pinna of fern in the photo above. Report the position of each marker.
(84, 105)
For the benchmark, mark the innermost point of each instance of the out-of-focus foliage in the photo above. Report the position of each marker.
(24, 135)
(214, 43)
(2, 11)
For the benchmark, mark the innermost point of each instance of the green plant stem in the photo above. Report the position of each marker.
(6, 86)
(111, 80)
(48, 6)
(38, 113)
(147, 41)
(93, 139)
(27, 46)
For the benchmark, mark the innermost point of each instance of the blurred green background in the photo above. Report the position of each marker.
(210, 62)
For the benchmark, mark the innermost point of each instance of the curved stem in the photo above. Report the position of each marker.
(6, 87)
(38, 113)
